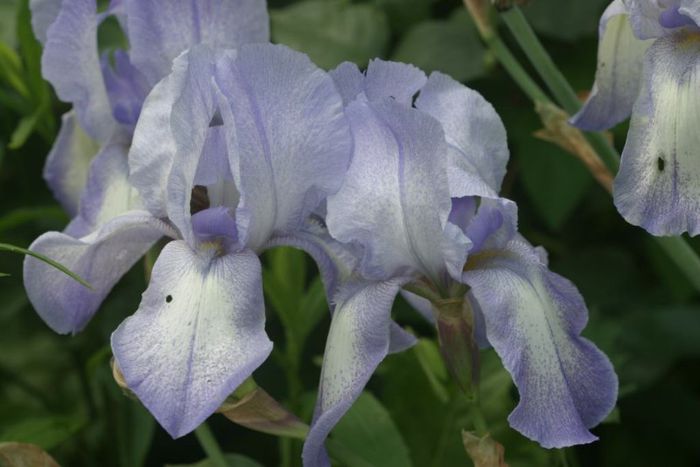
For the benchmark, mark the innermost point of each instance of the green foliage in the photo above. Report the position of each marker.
(58, 391)
(368, 437)
(451, 46)
(332, 31)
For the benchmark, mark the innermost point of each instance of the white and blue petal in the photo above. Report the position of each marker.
(160, 31)
(474, 129)
(71, 63)
(358, 340)
(618, 75)
(100, 258)
(108, 192)
(67, 165)
(386, 203)
(533, 320)
(198, 334)
(658, 185)
(287, 136)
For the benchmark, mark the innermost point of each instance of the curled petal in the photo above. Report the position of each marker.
(160, 31)
(197, 335)
(101, 258)
(399, 81)
(358, 341)
(645, 18)
(473, 127)
(72, 64)
(385, 203)
(288, 140)
(691, 10)
(533, 320)
(126, 87)
(349, 80)
(66, 168)
(153, 147)
(617, 81)
(658, 186)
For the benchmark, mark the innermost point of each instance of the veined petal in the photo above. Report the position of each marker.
(349, 80)
(533, 320)
(357, 342)
(385, 203)
(644, 18)
(288, 139)
(690, 9)
(101, 258)
(198, 334)
(160, 31)
(66, 168)
(108, 192)
(658, 186)
(400, 81)
(72, 64)
(126, 87)
(473, 127)
(617, 81)
(44, 13)
(153, 147)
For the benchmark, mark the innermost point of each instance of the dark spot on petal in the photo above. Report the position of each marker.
(168, 299)
(216, 120)
(660, 164)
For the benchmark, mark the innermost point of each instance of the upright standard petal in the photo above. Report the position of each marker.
(198, 334)
(533, 320)
(617, 81)
(153, 146)
(385, 203)
(101, 258)
(357, 342)
(72, 64)
(473, 127)
(66, 168)
(399, 81)
(658, 186)
(160, 31)
(288, 139)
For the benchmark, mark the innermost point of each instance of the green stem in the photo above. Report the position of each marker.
(676, 248)
(556, 81)
(540, 59)
(211, 447)
(515, 70)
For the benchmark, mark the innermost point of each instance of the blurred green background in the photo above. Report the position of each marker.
(57, 391)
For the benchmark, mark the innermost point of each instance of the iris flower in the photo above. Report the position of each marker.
(107, 91)
(648, 67)
(420, 199)
(233, 152)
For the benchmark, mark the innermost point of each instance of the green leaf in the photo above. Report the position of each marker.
(24, 129)
(332, 31)
(450, 46)
(46, 432)
(23, 216)
(565, 19)
(8, 14)
(49, 261)
(402, 14)
(367, 436)
(232, 460)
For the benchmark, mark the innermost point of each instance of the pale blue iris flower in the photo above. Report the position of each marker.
(233, 152)
(420, 199)
(649, 68)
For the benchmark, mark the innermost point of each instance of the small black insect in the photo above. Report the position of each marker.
(168, 299)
